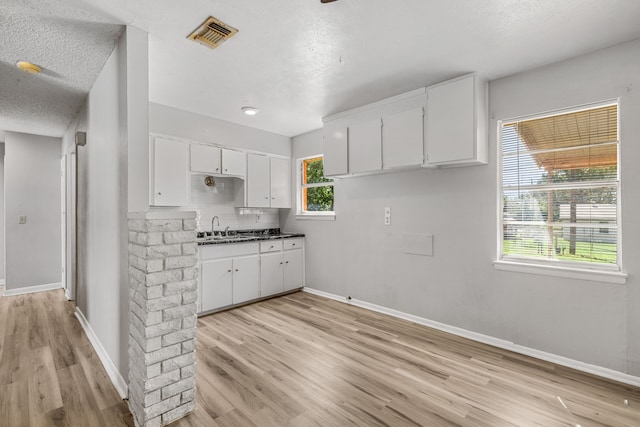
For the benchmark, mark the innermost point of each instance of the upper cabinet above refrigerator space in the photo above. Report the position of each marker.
(457, 122)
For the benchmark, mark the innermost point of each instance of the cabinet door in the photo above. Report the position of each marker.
(170, 175)
(216, 284)
(335, 150)
(234, 162)
(271, 274)
(293, 269)
(246, 279)
(257, 181)
(403, 139)
(280, 183)
(451, 122)
(365, 146)
(205, 158)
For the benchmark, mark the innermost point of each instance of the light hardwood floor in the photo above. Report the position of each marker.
(302, 360)
(50, 374)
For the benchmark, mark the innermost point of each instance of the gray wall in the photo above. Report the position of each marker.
(2, 225)
(102, 288)
(32, 189)
(596, 323)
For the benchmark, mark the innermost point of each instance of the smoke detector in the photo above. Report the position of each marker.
(212, 33)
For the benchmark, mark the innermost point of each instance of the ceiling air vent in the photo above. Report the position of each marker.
(212, 33)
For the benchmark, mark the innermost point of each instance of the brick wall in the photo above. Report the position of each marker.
(163, 274)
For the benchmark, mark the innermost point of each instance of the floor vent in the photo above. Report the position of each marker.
(212, 33)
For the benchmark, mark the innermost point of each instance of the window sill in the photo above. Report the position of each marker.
(615, 277)
(316, 217)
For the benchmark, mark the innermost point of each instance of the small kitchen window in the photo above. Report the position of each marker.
(315, 192)
(559, 192)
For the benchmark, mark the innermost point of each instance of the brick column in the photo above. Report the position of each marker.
(163, 275)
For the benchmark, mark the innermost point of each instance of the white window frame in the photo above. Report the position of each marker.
(567, 269)
(305, 215)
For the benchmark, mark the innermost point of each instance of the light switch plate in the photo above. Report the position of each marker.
(387, 216)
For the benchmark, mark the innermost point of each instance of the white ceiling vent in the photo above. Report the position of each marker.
(212, 33)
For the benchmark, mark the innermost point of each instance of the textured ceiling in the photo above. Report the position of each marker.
(68, 42)
(298, 61)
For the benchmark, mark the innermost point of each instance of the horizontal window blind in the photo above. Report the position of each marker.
(560, 188)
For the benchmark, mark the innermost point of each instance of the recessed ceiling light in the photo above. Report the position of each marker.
(250, 111)
(28, 67)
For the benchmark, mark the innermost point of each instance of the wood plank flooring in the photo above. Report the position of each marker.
(302, 360)
(50, 374)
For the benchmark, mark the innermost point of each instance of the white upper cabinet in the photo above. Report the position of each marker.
(457, 122)
(268, 182)
(170, 176)
(335, 150)
(387, 134)
(365, 146)
(403, 138)
(234, 162)
(280, 182)
(205, 159)
(258, 185)
(216, 160)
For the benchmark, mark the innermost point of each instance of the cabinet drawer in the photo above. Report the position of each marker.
(271, 246)
(227, 250)
(295, 243)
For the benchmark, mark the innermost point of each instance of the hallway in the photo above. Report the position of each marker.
(50, 374)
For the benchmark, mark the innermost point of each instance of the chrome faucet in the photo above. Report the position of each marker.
(215, 217)
(226, 231)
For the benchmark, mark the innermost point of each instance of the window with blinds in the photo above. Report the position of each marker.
(560, 188)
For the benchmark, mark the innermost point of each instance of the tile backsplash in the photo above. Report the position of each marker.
(220, 200)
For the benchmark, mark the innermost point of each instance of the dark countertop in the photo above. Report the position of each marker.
(247, 236)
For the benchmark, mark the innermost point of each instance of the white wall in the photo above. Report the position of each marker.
(596, 323)
(172, 121)
(113, 133)
(32, 189)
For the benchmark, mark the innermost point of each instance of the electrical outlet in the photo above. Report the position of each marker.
(387, 216)
(22, 220)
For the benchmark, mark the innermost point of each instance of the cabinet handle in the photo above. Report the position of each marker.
(280, 262)
(159, 193)
(266, 197)
(273, 198)
(237, 269)
(286, 262)
(293, 244)
(217, 169)
(225, 169)
(228, 271)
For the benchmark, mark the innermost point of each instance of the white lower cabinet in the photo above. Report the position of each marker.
(231, 274)
(246, 279)
(293, 269)
(281, 266)
(271, 273)
(216, 284)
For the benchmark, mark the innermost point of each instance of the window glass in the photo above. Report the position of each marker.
(560, 188)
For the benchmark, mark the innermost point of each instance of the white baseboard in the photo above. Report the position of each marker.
(117, 380)
(486, 339)
(31, 289)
